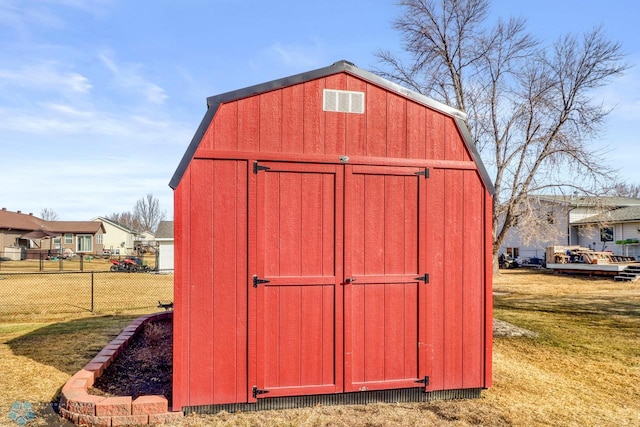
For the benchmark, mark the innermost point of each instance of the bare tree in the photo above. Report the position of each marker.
(49, 214)
(529, 107)
(126, 219)
(626, 190)
(148, 213)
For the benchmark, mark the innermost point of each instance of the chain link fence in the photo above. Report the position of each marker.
(45, 293)
(19, 260)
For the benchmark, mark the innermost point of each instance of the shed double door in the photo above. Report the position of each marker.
(340, 279)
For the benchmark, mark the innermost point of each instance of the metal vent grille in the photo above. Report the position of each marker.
(355, 398)
(343, 101)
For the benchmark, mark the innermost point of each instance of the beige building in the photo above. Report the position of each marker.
(118, 239)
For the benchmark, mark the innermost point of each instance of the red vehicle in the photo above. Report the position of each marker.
(138, 263)
(128, 265)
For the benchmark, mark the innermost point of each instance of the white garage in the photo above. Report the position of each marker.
(164, 239)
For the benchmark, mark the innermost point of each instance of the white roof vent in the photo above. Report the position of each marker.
(343, 101)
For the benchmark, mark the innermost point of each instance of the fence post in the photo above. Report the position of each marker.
(92, 291)
(41, 266)
(81, 262)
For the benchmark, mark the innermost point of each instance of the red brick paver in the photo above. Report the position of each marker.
(80, 407)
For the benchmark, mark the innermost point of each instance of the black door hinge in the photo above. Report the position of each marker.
(257, 392)
(257, 281)
(424, 278)
(257, 167)
(424, 381)
(424, 173)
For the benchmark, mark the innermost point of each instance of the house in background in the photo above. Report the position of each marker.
(77, 237)
(164, 240)
(14, 226)
(594, 222)
(29, 236)
(118, 239)
(616, 230)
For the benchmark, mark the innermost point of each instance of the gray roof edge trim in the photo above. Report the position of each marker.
(214, 102)
(408, 93)
(193, 146)
(466, 136)
(335, 68)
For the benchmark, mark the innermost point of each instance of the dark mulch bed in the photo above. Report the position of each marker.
(143, 368)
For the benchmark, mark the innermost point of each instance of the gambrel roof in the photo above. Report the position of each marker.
(214, 102)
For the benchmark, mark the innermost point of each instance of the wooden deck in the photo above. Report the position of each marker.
(612, 269)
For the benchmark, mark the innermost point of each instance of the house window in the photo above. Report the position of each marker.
(68, 238)
(551, 217)
(84, 243)
(98, 239)
(513, 252)
(606, 234)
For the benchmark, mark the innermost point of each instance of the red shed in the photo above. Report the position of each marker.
(332, 244)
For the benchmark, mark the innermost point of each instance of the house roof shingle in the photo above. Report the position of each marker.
(626, 214)
(19, 221)
(76, 227)
(28, 222)
(165, 230)
(113, 223)
(591, 201)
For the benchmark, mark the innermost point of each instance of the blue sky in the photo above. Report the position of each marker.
(100, 98)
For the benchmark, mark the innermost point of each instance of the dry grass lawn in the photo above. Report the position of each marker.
(26, 297)
(583, 369)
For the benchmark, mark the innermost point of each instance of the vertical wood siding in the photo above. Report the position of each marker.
(291, 120)
(181, 326)
(211, 233)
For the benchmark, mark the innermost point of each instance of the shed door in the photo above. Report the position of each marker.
(385, 336)
(299, 309)
(338, 300)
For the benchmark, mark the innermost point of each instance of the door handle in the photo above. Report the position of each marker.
(350, 280)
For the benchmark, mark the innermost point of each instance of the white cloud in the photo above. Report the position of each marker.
(21, 17)
(46, 76)
(25, 15)
(129, 77)
(67, 110)
(56, 121)
(299, 56)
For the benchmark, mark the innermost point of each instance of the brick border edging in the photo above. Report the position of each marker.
(80, 407)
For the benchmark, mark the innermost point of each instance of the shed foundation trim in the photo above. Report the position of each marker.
(356, 398)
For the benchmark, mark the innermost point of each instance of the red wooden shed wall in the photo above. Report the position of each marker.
(215, 210)
(291, 121)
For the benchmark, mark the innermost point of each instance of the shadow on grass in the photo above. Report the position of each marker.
(69, 345)
(574, 305)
